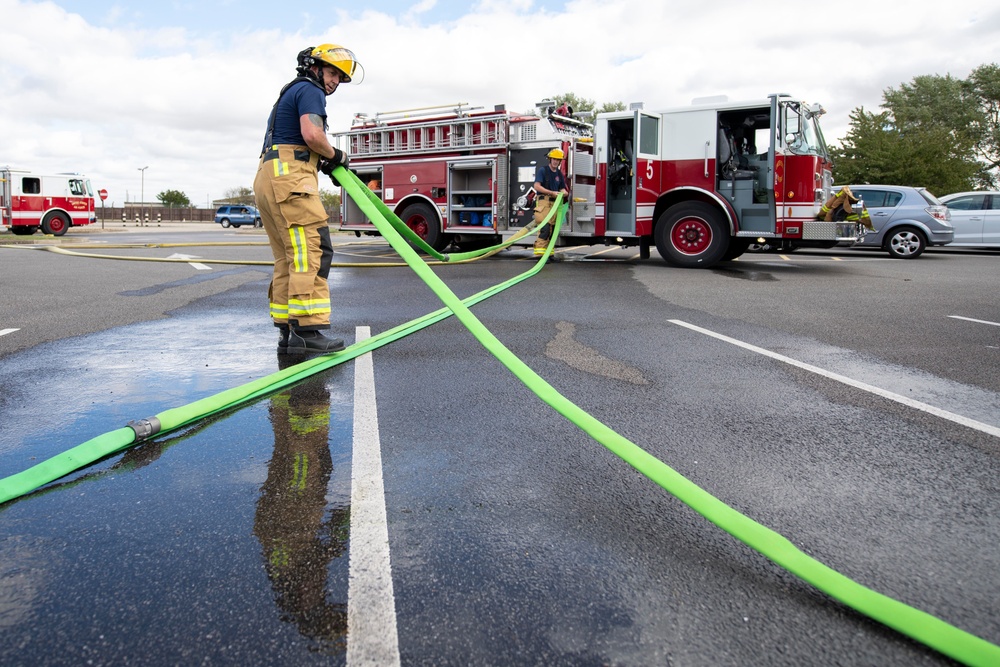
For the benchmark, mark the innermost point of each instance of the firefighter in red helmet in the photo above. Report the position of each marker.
(286, 188)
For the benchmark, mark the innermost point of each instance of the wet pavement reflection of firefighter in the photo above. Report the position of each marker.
(299, 535)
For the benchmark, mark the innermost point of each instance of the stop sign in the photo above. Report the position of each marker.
(103, 194)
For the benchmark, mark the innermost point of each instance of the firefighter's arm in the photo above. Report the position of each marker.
(314, 132)
(542, 190)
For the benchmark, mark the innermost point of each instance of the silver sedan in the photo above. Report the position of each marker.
(906, 219)
(975, 217)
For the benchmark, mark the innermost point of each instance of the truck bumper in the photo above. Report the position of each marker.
(842, 232)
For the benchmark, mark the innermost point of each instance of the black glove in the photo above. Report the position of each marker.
(326, 165)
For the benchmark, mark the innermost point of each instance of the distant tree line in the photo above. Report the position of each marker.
(582, 104)
(937, 132)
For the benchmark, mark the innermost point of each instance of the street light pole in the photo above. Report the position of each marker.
(142, 189)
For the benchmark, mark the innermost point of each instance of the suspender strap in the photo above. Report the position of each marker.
(269, 135)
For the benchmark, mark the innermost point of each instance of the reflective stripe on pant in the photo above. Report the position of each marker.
(542, 208)
(299, 235)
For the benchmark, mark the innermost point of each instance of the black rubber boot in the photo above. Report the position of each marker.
(282, 339)
(304, 342)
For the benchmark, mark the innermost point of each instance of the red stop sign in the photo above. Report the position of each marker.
(103, 194)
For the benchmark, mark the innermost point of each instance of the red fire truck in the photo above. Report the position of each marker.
(52, 202)
(701, 182)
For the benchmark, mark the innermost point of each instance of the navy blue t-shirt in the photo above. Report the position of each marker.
(302, 98)
(550, 180)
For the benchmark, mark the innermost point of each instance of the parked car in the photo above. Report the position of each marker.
(237, 216)
(906, 219)
(975, 217)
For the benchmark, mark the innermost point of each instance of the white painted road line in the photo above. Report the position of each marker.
(371, 606)
(197, 265)
(4, 332)
(969, 319)
(909, 402)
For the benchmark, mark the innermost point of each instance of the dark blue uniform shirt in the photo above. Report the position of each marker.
(550, 180)
(302, 98)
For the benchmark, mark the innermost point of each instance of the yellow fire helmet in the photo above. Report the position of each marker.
(343, 59)
(556, 154)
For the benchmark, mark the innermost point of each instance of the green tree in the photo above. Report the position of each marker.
(173, 198)
(927, 135)
(582, 104)
(330, 199)
(983, 87)
(876, 151)
(239, 195)
(331, 202)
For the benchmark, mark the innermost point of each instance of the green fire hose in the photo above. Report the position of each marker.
(930, 630)
(921, 626)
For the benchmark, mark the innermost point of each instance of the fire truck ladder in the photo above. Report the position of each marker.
(394, 134)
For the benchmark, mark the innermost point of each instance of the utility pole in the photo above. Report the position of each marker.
(142, 189)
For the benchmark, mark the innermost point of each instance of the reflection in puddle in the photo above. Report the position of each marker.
(742, 274)
(298, 534)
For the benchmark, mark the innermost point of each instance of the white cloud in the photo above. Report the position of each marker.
(110, 95)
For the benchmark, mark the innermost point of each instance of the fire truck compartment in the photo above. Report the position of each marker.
(470, 203)
(371, 175)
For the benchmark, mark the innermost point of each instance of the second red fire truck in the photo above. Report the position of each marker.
(701, 183)
(30, 201)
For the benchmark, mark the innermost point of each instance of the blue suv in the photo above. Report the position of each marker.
(238, 215)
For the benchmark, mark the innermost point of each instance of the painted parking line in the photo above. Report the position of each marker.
(371, 606)
(198, 265)
(4, 332)
(892, 396)
(969, 319)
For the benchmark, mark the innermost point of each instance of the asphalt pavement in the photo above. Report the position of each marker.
(793, 388)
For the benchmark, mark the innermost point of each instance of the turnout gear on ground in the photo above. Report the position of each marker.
(840, 207)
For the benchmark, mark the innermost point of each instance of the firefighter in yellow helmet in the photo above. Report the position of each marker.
(549, 184)
(286, 188)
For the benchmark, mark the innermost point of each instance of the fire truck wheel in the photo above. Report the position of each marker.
(736, 248)
(23, 231)
(905, 243)
(468, 244)
(691, 235)
(55, 224)
(424, 222)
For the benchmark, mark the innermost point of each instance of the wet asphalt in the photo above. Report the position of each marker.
(514, 537)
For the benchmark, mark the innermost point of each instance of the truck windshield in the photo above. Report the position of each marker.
(803, 135)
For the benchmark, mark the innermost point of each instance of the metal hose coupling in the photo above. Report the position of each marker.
(145, 428)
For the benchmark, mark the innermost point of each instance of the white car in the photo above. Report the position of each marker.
(975, 217)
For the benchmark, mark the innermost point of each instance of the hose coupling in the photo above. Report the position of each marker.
(145, 428)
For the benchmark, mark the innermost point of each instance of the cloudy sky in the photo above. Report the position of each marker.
(184, 87)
